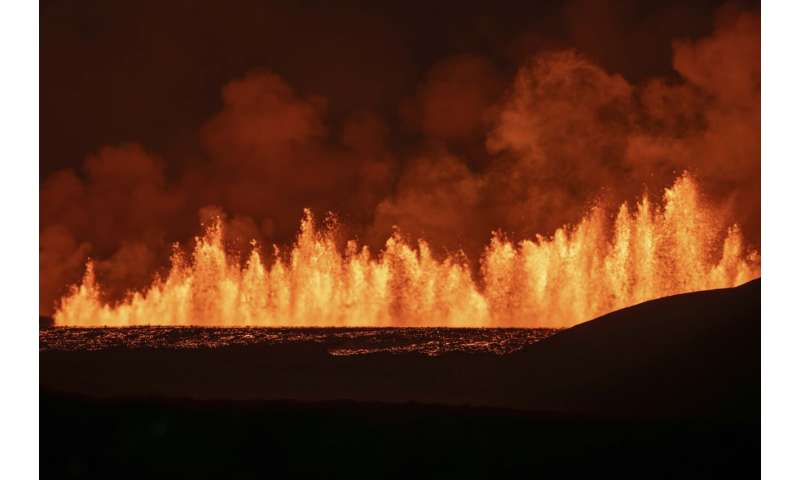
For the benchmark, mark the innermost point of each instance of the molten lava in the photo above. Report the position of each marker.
(579, 273)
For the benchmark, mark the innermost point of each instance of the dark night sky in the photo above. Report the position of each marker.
(151, 72)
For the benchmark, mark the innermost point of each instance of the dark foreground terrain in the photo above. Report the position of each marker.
(666, 389)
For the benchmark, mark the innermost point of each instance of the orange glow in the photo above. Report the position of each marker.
(580, 272)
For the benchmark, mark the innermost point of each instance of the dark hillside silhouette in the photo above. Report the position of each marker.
(686, 355)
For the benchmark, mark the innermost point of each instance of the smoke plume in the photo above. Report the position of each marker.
(481, 145)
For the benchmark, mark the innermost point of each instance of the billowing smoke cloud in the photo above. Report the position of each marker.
(117, 214)
(568, 133)
(485, 150)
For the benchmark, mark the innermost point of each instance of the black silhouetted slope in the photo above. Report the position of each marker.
(665, 389)
(689, 355)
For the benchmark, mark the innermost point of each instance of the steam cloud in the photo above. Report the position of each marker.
(524, 155)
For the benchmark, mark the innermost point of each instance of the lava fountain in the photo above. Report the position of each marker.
(603, 263)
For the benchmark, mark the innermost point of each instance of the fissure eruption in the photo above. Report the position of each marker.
(605, 262)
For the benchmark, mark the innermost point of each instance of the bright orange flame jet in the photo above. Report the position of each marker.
(579, 273)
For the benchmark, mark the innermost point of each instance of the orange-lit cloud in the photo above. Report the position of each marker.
(523, 149)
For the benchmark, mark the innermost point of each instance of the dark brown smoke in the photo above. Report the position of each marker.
(518, 129)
